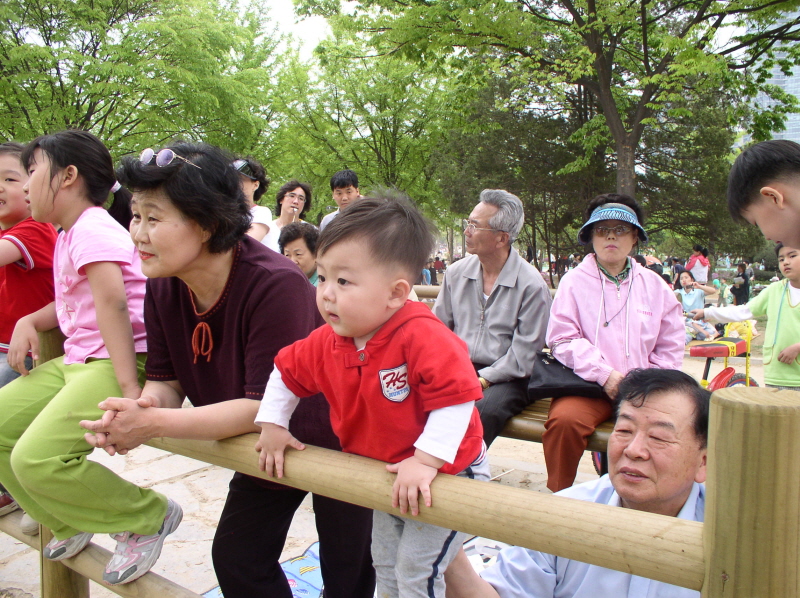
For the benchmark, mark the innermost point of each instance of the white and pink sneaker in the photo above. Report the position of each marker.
(136, 554)
(58, 550)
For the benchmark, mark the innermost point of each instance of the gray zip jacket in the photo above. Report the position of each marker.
(504, 331)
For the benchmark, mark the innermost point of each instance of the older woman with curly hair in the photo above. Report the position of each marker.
(218, 308)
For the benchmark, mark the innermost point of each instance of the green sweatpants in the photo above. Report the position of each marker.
(43, 453)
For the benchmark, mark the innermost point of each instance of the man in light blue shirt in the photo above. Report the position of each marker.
(657, 463)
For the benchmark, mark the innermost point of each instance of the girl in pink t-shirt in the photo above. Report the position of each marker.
(99, 297)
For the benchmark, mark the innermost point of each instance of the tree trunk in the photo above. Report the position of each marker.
(450, 239)
(626, 169)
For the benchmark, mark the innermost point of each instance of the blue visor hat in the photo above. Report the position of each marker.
(610, 211)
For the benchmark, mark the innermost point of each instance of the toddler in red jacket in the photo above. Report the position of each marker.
(400, 384)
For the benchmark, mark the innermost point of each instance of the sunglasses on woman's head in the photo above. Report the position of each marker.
(163, 158)
(243, 166)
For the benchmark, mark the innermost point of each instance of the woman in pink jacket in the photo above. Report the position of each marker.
(698, 264)
(610, 315)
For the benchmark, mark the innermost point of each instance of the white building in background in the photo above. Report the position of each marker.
(789, 84)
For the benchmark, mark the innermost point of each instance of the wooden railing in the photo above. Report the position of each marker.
(747, 547)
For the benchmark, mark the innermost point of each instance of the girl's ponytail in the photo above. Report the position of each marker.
(93, 161)
(120, 208)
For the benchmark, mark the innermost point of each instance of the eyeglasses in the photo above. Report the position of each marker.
(294, 195)
(469, 227)
(163, 158)
(619, 231)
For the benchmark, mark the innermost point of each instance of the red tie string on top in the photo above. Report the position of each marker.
(202, 341)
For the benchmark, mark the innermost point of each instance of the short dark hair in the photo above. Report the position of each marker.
(778, 247)
(639, 258)
(299, 230)
(639, 384)
(291, 186)
(395, 231)
(210, 195)
(344, 179)
(758, 166)
(12, 148)
(689, 272)
(253, 170)
(625, 200)
(91, 157)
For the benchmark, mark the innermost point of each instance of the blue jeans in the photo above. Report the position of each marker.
(6, 373)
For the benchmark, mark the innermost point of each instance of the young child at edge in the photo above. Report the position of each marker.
(400, 384)
(780, 301)
(26, 254)
(26, 266)
(99, 300)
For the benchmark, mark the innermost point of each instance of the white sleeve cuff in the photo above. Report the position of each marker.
(278, 403)
(445, 430)
(730, 313)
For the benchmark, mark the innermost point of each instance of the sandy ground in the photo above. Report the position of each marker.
(201, 490)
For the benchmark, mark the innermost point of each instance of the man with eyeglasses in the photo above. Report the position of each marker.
(499, 305)
(344, 188)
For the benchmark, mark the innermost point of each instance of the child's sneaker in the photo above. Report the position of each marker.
(28, 525)
(136, 554)
(58, 550)
(7, 504)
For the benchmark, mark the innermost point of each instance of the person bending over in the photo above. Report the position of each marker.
(764, 190)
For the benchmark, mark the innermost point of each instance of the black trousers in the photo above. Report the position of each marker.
(252, 531)
(500, 403)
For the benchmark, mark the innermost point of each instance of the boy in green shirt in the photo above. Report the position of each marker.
(780, 301)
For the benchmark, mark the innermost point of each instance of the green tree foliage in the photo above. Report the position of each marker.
(637, 58)
(685, 163)
(508, 144)
(379, 115)
(512, 141)
(137, 72)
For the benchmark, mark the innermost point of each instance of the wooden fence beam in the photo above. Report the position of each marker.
(648, 545)
(89, 565)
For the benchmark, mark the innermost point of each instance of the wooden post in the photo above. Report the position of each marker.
(58, 580)
(51, 345)
(751, 534)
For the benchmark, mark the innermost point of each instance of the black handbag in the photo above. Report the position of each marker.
(551, 379)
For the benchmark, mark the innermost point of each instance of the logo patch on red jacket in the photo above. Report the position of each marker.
(394, 383)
